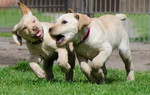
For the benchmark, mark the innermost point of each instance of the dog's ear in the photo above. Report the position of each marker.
(16, 37)
(24, 9)
(70, 11)
(84, 20)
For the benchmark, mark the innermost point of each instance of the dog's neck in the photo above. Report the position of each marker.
(36, 42)
(82, 35)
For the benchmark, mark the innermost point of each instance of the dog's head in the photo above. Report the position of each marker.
(67, 26)
(28, 28)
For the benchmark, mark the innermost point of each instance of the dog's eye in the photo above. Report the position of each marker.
(25, 27)
(33, 21)
(64, 22)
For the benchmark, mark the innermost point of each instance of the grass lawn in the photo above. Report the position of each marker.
(20, 80)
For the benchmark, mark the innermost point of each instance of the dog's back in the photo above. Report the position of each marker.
(114, 28)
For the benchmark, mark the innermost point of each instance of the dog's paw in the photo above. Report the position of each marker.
(41, 75)
(98, 74)
(65, 67)
(130, 76)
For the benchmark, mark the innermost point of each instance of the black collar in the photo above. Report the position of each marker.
(36, 42)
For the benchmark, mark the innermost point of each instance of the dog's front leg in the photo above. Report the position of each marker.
(98, 63)
(63, 60)
(33, 62)
(86, 69)
(71, 57)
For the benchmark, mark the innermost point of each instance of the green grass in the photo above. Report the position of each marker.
(20, 80)
(2, 34)
(141, 23)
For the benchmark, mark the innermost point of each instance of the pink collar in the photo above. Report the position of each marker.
(85, 37)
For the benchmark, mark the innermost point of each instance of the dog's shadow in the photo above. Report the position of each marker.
(86, 81)
(112, 80)
(113, 77)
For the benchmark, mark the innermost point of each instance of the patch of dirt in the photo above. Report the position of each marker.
(10, 53)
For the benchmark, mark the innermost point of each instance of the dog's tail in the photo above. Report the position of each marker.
(121, 16)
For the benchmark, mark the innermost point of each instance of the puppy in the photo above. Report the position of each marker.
(94, 39)
(41, 45)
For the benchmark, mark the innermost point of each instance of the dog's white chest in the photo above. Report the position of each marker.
(41, 50)
(86, 51)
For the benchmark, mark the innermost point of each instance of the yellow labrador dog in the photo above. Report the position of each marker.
(41, 46)
(94, 39)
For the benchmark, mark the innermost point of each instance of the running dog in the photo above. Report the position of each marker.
(42, 46)
(94, 39)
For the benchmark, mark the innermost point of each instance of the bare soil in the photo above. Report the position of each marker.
(10, 54)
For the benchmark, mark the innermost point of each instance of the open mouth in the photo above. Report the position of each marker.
(59, 39)
(39, 34)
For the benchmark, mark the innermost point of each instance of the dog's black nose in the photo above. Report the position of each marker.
(51, 29)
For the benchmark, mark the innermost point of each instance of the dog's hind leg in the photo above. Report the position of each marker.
(48, 68)
(125, 53)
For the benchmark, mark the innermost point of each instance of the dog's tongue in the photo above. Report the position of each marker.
(59, 41)
(39, 34)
